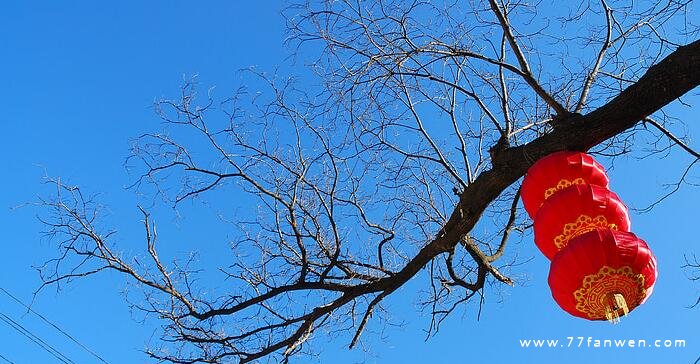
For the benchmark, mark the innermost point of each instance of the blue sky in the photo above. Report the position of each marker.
(79, 80)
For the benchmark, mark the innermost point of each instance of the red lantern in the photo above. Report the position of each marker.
(603, 274)
(556, 172)
(574, 211)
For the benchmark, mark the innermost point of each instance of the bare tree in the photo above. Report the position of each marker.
(692, 264)
(425, 117)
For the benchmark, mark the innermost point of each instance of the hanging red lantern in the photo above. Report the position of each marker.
(556, 172)
(603, 275)
(574, 211)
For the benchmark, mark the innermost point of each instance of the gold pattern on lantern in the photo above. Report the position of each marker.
(610, 293)
(562, 184)
(582, 224)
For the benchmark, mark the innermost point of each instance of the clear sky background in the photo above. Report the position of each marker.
(78, 81)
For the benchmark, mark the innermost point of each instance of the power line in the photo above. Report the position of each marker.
(6, 359)
(54, 326)
(37, 340)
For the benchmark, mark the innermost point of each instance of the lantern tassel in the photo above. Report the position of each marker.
(616, 308)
